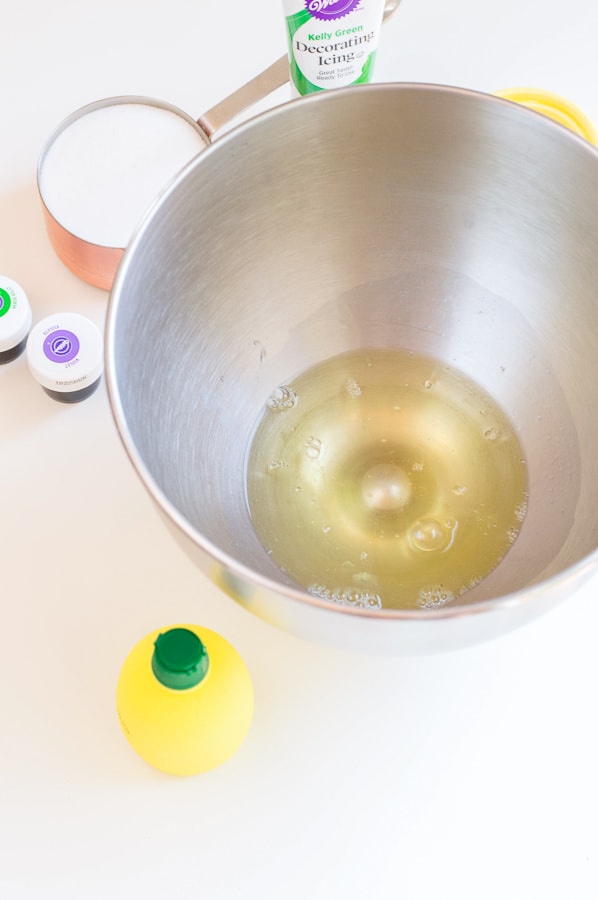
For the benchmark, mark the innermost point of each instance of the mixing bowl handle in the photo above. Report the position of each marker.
(259, 87)
(251, 93)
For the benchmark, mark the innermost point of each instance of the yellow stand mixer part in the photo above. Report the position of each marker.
(555, 107)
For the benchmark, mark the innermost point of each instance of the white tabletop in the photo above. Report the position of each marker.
(471, 774)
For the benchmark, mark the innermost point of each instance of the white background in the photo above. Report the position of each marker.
(467, 775)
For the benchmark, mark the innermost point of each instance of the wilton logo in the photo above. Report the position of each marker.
(61, 346)
(330, 9)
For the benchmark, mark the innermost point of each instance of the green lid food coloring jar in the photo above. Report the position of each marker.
(15, 319)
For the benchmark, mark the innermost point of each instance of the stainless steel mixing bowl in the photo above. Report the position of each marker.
(445, 221)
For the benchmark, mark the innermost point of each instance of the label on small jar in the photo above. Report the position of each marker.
(5, 302)
(61, 346)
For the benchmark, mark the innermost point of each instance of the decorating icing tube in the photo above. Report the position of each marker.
(332, 43)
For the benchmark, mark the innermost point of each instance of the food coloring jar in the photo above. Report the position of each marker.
(15, 319)
(65, 353)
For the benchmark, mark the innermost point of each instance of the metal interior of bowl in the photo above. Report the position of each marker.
(412, 216)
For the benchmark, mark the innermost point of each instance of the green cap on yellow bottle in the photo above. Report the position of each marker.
(180, 660)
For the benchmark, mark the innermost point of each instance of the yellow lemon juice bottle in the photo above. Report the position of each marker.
(184, 699)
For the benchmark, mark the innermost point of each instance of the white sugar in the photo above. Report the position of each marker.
(102, 172)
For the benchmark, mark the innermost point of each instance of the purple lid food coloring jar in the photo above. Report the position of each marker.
(15, 319)
(65, 353)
